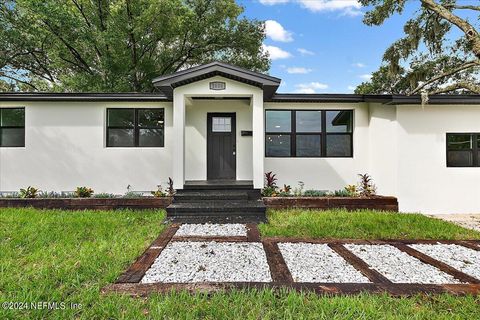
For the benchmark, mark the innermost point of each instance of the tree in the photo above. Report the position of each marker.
(428, 59)
(120, 45)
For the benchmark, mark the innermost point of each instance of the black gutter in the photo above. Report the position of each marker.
(91, 97)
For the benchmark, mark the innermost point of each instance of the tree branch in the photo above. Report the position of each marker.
(470, 32)
(468, 7)
(464, 66)
(459, 85)
(2, 74)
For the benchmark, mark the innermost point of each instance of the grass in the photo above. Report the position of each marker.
(68, 257)
(364, 224)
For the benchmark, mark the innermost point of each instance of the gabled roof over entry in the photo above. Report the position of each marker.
(167, 83)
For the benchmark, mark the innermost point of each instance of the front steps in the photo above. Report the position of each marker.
(217, 202)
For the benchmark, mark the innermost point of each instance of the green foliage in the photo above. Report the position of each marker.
(53, 194)
(439, 53)
(118, 45)
(269, 192)
(29, 192)
(315, 193)
(104, 195)
(132, 195)
(298, 191)
(340, 193)
(83, 192)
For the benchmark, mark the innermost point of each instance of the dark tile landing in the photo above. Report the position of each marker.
(217, 201)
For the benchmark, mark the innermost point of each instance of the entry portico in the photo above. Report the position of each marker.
(204, 99)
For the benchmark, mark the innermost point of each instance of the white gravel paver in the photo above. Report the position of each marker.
(212, 230)
(184, 262)
(318, 263)
(398, 266)
(459, 257)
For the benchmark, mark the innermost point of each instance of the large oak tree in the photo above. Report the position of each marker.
(440, 52)
(120, 45)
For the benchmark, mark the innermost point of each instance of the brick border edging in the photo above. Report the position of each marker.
(376, 203)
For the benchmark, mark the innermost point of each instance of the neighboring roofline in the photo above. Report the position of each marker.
(278, 97)
(45, 96)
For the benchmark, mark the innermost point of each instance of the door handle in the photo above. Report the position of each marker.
(234, 153)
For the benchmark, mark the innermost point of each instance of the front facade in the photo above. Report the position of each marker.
(219, 122)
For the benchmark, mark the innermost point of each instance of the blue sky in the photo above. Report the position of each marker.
(321, 45)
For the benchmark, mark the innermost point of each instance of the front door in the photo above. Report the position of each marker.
(221, 146)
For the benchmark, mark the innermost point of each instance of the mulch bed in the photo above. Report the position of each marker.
(129, 282)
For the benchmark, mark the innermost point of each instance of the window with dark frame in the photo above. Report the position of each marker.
(309, 133)
(463, 149)
(135, 127)
(12, 127)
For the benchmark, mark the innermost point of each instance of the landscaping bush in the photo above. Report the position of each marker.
(83, 192)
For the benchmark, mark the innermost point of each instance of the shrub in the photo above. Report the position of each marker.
(298, 191)
(29, 192)
(285, 191)
(55, 195)
(315, 193)
(269, 192)
(340, 193)
(104, 195)
(158, 193)
(366, 188)
(270, 180)
(132, 195)
(83, 192)
(352, 190)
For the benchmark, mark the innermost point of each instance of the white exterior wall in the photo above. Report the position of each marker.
(425, 183)
(383, 165)
(196, 137)
(325, 173)
(65, 148)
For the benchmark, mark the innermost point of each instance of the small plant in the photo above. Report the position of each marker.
(298, 191)
(270, 189)
(315, 193)
(29, 193)
(270, 180)
(132, 195)
(351, 189)
(10, 195)
(285, 191)
(170, 190)
(366, 188)
(55, 195)
(158, 193)
(83, 192)
(340, 193)
(269, 192)
(104, 195)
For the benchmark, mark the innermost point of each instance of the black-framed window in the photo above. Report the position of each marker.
(139, 127)
(309, 133)
(12, 127)
(463, 149)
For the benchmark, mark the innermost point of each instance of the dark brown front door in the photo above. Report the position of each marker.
(221, 146)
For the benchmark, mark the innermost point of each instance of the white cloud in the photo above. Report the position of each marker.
(276, 53)
(272, 2)
(276, 32)
(298, 70)
(359, 65)
(346, 7)
(366, 76)
(351, 88)
(311, 87)
(305, 52)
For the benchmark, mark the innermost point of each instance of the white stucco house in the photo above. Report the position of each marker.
(218, 121)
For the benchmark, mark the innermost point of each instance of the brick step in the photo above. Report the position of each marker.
(197, 196)
(217, 207)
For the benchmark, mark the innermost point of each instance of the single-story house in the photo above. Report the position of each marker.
(218, 121)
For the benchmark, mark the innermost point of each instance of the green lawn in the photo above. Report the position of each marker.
(365, 224)
(69, 256)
